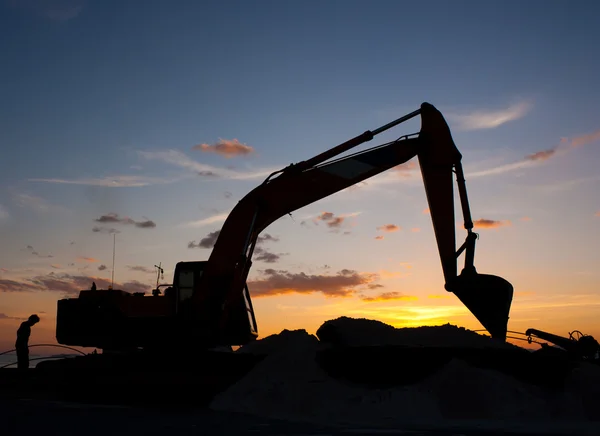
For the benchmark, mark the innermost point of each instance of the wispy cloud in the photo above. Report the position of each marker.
(388, 296)
(208, 220)
(389, 228)
(207, 242)
(484, 223)
(585, 139)
(343, 284)
(122, 181)
(36, 253)
(227, 148)
(107, 230)
(67, 284)
(114, 218)
(179, 159)
(566, 145)
(489, 119)
(87, 259)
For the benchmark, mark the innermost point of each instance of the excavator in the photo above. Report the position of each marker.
(209, 304)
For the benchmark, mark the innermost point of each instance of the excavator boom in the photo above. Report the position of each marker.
(224, 277)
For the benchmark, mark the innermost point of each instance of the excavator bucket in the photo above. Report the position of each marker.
(488, 297)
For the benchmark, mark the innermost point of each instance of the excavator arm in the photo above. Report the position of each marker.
(224, 277)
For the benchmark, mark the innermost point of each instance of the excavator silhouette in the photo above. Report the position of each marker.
(209, 304)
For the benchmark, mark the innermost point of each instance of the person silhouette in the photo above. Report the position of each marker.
(22, 344)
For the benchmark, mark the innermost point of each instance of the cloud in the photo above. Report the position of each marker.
(389, 228)
(102, 267)
(597, 214)
(209, 220)
(55, 266)
(114, 218)
(525, 218)
(207, 242)
(437, 297)
(266, 238)
(406, 168)
(389, 296)
(35, 253)
(415, 229)
(279, 282)
(484, 223)
(583, 139)
(87, 259)
(5, 316)
(140, 268)
(112, 181)
(179, 159)
(227, 194)
(426, 211)
(265, 256)
(489, 119)
(16, 286)
(105, 230)
(533, 159)
(379, 238)
(333, 221)
(541, 155)
(31, 201)
(67, 284)
(227, 148)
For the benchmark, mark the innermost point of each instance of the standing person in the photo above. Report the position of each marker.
(22, 344)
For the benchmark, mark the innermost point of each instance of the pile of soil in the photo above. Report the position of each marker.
(289, 383)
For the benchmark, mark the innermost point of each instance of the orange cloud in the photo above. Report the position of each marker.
(87, 259)
(415, 229)
(490, 224)
(597, 213)
(389, 228)
(279, 282)
(379, 238)
(541, 155)
(404, 169)
(585, 139)
(426, 211)
(226, 148)
(385, 274)
(331, 219)
(525, 218)
(438, 296)
(388, 296)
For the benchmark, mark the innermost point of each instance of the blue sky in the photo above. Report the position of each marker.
(99, 91)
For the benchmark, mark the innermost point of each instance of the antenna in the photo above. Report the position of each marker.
(159, 272)
(113, 265)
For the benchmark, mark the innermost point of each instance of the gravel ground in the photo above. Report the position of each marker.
(27, 417)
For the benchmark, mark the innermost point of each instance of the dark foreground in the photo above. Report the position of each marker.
(38, 417)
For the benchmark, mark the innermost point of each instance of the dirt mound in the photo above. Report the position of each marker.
(281, 343)
(346, 331)
(290, 384)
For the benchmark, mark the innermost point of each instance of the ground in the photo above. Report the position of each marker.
(28, 417)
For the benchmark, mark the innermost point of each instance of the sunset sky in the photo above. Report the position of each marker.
(150, 122)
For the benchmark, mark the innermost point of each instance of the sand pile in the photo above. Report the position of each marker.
(363, 332)
(290, 384)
